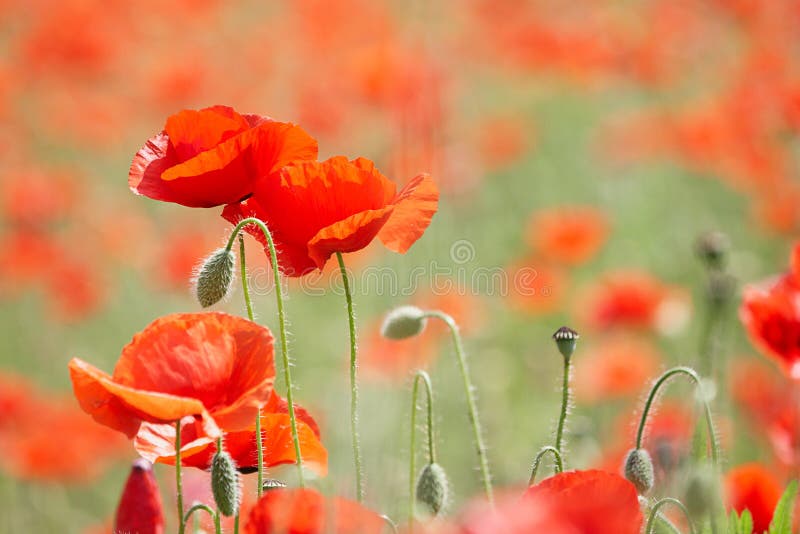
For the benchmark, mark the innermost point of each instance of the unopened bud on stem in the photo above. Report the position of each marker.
(215, 277)
(403, 322)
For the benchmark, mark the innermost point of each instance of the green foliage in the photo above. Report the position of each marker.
(740, 524)
(782, 517)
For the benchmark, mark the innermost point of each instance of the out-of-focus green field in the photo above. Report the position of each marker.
(656, 207)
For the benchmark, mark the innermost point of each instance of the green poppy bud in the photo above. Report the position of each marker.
(225, 483)
(403, 322)
(215, 277)
(639, 470)
(433, 489)
(566, 339)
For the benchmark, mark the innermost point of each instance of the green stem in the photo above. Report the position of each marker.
(559, 465)
(217, 524)
(420, 375)
(650, 529)
(236, 523)
(391, 524)
(353, 380)
(179, 478)
(287, 373)
(471, 404)
(689, 372)
(564, 406)
(196, 508)
(245, 287)
(250, 315)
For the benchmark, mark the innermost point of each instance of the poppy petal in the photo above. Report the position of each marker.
(349, 235)
(144, 177)
(415, 206)
(125, 408)
(194, 131)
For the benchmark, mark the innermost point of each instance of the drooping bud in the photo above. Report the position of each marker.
(225, 483)
(215, 277)
(433, 489)
(639, 470)
(140, 509)
(403, 322)
(712, 248)
(566, 339)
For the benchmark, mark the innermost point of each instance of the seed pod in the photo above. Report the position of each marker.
(215, 277)
(403, 322)
(566, 339)
(639, 470)
(433, 489)
(225, 483)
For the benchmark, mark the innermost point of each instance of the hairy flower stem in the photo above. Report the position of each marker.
(179, 478)
(557, 462)
(196, 508)
(353, 380)
(420, 375)
(249, 305)
(712, 435)
(471, 404)
(654, 515)
(287, 372)
(562, 419)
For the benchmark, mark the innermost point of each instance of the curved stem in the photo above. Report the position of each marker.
(689, 372)
(197, 507)
(420, 375)
(650, 529)
(564, 405)
(287, 373)
(389, 523)
(559, 465)
(353, 380)
(179, 478)
(471, 404)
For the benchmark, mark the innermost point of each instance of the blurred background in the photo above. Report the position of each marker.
(581, 148)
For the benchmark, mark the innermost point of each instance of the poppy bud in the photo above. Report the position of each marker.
(712, 248)
(433, 489)
(403, 322)
(225, 483)
(140, 508)
(639, 470)
(215, 277)
(566, 339)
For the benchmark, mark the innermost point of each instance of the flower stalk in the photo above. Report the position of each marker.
(420, 376)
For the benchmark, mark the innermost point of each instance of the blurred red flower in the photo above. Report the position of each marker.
(770, 313)
(591, 502)
(215, 156)
(29, 419)
(752, 487)
(571, 235)
(305, 511)
(210, 371)
(537, 286)
(140, 509)
(316, 209)
(157, 442)
(634, 299)
(617, 367)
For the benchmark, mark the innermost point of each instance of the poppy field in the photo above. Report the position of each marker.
(353, 266)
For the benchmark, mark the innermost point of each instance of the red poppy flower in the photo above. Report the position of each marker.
(317, 208)
(752, 487)
(770, 313)
(211, 371)
(618, 367)
(509, 515)
(570, 235)
(215, 156)
(157, 442)
(304, 511)
(592, 501)
(140, 509)
(634, 299)
(537, 286)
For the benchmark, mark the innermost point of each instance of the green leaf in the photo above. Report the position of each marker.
(782, 517)
(740, 524)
